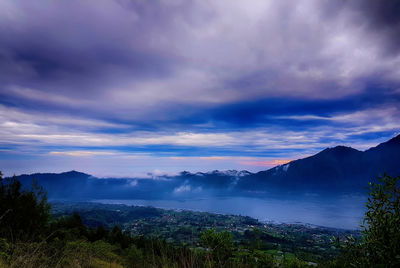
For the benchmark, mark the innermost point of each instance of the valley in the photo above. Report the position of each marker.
(183, 227)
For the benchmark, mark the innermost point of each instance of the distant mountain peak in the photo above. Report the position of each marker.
(339, 151)
(342, 148)
(75, 173)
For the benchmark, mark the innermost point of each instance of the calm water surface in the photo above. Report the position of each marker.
(345, 212)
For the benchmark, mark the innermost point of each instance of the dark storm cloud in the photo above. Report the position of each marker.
(382, 18)
(267, 111)
(69, 47)
(179, 77)
(137, 54)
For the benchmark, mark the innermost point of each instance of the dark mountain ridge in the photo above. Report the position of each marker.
(334, 170)
(339, 168)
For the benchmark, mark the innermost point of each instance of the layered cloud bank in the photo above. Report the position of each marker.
(129, 86)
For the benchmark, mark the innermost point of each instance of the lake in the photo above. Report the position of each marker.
(344, 212)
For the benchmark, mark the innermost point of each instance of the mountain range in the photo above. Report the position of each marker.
(337, 170)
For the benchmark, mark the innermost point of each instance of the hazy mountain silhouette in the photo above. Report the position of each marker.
(334, 170)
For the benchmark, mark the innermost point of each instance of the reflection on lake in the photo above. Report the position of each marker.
(344, 212)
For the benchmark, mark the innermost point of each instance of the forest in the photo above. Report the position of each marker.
(35, 233)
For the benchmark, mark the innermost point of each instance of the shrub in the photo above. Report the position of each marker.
(380, 243)
(24, 213)
(220, 244)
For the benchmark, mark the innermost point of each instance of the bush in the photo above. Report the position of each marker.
(380, 243)
(24, 213)
(133, 256)
(220, 244)
(4, 251)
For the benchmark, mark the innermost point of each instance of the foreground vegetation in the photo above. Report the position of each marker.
(379, 245)
(307, 243)
(31, 237)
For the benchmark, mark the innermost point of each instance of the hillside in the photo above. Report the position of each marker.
(311, 243)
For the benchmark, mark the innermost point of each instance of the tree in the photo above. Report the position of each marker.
(24, 213)
(133, 256)
(380, 243)
(220, 244)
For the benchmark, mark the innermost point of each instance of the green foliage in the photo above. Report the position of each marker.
(24, 213)
(4, 251)
(133, 256)
(220, 244)
(256, 258)
(84, 254)
(380, 243)
(382, 229)
(186, 227)
(68, 228)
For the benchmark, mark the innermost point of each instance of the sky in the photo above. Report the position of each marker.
(137, 88)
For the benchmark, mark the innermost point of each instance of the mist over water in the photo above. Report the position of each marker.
(344, 212)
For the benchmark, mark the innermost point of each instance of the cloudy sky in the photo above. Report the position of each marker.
(126, 87)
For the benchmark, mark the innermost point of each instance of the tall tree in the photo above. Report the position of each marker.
(380, 243)
(24, 213)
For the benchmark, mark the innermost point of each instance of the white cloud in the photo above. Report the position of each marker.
(34, 119)
(293, 47)
(32, 129)
(81, 153)
(183, 189)
(186, 188)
